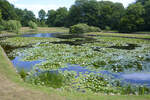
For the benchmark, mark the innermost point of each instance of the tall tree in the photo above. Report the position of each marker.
(0, 15)
(61, 15)
(83, 11)
(118, 12)
(27, 16)
(142, 1)
(51, 17)
(42, 14)
(57, 18)
(8, 11)
(147, 15)
(133, 20)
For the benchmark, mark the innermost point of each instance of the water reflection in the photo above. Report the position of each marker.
(40, 35)
(26, 65)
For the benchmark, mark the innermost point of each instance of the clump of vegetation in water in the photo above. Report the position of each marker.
(23, 74)
(83, 28)
(48, 79)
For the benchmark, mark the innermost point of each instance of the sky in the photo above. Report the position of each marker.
(36, 5)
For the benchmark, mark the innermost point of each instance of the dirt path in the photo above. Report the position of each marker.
(11, 91)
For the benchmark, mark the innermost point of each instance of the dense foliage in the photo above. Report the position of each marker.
(83, 28)
(13, 26)
(32, 25)
(103, 14)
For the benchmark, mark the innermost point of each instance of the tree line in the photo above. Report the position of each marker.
(102, 14)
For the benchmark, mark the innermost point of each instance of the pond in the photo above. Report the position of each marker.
(141, 78)
(126, 60)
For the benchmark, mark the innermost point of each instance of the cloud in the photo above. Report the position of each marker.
(37, 7)
(12, 1)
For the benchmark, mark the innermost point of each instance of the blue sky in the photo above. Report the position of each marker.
(36, 5)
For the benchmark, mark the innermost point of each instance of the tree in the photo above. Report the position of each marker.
(0, 15)
(51, 17)
(143, 2)
(27, 16)
(8, 11)
(61, 15)
(147, 15)
(19, 13)
(57, 18)
(83, 11)
(133, 20)
(118, 12)
(42, 14)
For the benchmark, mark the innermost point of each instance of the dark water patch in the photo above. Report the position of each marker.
(128, 47)
(68, 36)
(97, 48)
(77, 41)
(119, 37)
(9, 48)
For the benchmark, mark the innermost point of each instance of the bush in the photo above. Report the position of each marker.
(94, 29)
(107, 28)
(83, 28)
(13, 26)
(32, 25)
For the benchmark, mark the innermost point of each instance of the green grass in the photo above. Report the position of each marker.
(27, 30)
(121, 34)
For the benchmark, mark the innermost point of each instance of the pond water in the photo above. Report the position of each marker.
(40, 35)
(141, 78)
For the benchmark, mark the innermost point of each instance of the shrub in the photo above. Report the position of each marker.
(32, 25)
(83, 28)
(107, 28)
(1, 28)
(94, 29)
(13, 26)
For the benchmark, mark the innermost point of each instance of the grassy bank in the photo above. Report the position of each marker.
(27, 30)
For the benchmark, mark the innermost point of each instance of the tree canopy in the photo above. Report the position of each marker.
(102, 14)
(42, 14)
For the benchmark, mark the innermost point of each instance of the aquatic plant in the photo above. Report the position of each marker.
(23, 74)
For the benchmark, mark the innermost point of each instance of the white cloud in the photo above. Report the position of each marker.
(36, 8)
(12, 1)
